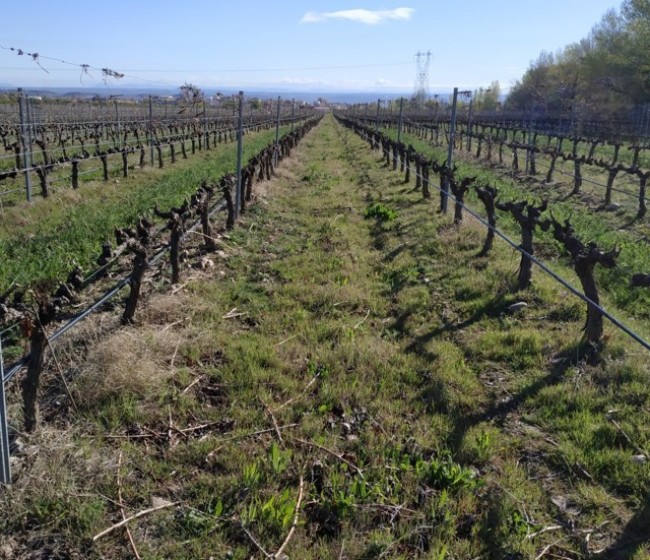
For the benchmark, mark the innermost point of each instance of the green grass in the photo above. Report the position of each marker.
(606, 229)
(384, 346)
(44, 241)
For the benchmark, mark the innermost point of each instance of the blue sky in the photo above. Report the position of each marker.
(336, 45)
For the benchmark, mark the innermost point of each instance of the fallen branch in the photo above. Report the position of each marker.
(197, 380)
(170, 428)
(286, 340)
(280, 551)
(232, 313)
(627, 437)
(333, 453)
(544, 530)
(252, 539)
(121, 504)
(136, 516)
(275, 422)
(250, 434)
(362, 321)
(545, 550)
(301, 394)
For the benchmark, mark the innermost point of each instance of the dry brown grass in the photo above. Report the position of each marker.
(164, 309)
(130, 361)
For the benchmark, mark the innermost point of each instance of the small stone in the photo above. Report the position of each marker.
(515, 307)
(205, 262)
(160, 502)
(639, 459)
(613, 207)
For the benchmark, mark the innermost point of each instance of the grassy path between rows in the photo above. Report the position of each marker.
(365, 370)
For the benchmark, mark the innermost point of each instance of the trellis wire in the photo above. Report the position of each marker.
(616, 322)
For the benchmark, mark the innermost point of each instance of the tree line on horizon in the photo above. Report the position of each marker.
(606, 73)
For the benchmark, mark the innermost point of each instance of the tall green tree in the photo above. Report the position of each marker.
(604, 73)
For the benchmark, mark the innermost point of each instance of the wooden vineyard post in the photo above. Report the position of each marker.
(38, 343)
(140, 265)
(459, 190)
(515, 157)
(527, 216)
(226, 186)
(43, 171)
(176, 222)
(426, 169)
(488, 196)
(206, 228)
(75, 173)
(643, 183)
(577, 174)
(584, 259)
(125, 162)
(104, 159)
(417, 158)
(554, 155)
(612, 172)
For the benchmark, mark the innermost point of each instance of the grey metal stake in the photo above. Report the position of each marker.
(444, 195)
(530, 139)
(240, 143)
(469, 126)
(117, 119)
(31, 131)
(151, 130)
(377, 118)
(204, 126)
(277, 135)
(5, 465)
(25, 143)
(293, 109)
(399, 120)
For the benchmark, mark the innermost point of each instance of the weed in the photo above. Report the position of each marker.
(380, 212)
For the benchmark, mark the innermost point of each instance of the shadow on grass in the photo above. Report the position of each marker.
(635, 535)
(499, 410)
(492, 309)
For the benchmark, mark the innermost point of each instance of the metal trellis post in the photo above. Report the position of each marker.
(444, 195)
(277, 135)
(5, 465)
(530, 139)
(117, 120)
(377, 119)
(469, 126)
(399, 121)
(151, 130)
(31, 131)
(240, 143)
(25, 143)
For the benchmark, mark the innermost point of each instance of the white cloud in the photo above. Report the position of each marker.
(369, 17)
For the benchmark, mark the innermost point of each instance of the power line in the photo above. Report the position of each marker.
(109, 73)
